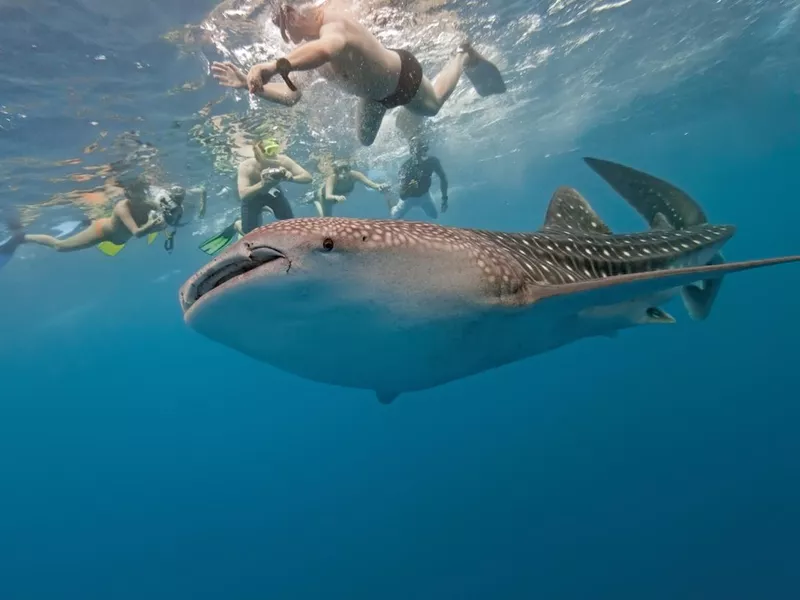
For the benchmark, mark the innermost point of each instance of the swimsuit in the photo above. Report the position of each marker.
(274, 199)
(425, 202)
(409, 82)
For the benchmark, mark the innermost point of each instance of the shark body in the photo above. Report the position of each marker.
(399, 306)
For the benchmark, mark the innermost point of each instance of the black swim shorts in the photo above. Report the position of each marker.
(410, 80)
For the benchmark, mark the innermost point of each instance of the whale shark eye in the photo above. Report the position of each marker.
(327, 244)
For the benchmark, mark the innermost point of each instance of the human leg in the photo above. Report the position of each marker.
(91, 236)
(369, 118)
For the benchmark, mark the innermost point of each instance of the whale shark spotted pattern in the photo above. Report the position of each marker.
(401, 306)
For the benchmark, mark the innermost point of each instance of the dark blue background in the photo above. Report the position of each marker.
(138, 460)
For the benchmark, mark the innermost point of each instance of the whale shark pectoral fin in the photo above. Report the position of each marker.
(569, 211)
(385, 397)
(622, 288)
(658, 316)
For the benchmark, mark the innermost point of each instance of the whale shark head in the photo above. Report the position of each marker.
(331, 263)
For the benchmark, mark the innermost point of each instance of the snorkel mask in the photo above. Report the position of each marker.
(420, 149)
(341, 167)
(263, 149)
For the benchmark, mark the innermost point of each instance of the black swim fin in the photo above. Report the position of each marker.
(10, 245)
(215, 244)
(483, 73)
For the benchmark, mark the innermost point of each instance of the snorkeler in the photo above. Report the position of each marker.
(259, 187)
(340, 183)
(350, 56)
(146, 209)
(415, 183)
(259, 183)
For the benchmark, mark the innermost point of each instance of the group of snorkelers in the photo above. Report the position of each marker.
(348, 55)
(259, 186)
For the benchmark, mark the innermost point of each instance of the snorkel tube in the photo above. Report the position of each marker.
(171, 207)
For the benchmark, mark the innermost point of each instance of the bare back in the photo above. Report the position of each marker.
(115, 229)
(364, 67)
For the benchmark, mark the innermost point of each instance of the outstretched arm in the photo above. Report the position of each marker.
(201, 211)
(437, 168)
(307, 57)
(330, 185)
(313, 55)
(279, 93)
(359, 176)
(230, 75)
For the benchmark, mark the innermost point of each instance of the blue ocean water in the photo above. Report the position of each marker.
(139, 460)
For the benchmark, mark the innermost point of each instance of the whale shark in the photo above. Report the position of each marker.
(396, 306)
(663, 205)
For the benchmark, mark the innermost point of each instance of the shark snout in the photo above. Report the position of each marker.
(234, 264)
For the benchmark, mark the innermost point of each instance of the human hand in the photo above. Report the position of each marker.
(272, 174)
(338, 198)
(155, 223)
(259, 75)
(286, 174)
(228, 74)
(383, 187)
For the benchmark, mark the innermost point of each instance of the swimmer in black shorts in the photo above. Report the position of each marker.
(349, 55)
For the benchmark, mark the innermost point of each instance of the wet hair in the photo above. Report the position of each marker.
(134, 187)
(280, 15)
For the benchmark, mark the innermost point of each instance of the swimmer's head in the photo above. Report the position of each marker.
(298, 23)
(171, 204)
(419, 148)
(265, 149)
(342, 167)
(177, 194)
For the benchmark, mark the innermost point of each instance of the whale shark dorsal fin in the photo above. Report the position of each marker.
(569, 211)
(649, 195)
(661, 223)
(385, 397)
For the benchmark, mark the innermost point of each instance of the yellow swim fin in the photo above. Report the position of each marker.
(151, 237)
(110, 248)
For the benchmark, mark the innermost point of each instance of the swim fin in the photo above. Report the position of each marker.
(482, 73)
(9, 246)
(110, 248)
(214, 244)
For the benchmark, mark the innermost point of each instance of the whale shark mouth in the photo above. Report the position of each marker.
(218, 275)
